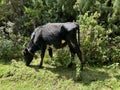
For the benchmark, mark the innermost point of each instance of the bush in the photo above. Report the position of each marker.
(8, 50)
(10, 44)
(61, 57)
(97, 45)
(114, 53)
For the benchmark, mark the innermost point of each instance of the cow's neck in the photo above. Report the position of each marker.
(33, 49)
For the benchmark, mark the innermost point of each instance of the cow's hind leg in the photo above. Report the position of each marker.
(78, 51)
(72, 55)
(42, 55)
(72, 42)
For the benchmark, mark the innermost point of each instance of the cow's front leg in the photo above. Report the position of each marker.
(42, 55)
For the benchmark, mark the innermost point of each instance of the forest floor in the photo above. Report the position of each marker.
(16, 76)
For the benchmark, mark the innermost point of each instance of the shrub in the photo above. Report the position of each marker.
(97, 46)
(10, 44)
(8, 50)
(61, 57)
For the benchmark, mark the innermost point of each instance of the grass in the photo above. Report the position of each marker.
(16, 76)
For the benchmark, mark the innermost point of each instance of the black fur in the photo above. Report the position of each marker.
(53, 34)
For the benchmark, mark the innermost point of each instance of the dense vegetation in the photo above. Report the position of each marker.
(99, 22)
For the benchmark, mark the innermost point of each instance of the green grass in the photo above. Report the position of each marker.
(16, 76)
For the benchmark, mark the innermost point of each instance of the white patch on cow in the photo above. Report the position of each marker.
(32, 35)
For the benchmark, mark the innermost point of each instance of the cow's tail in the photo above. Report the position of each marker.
(78, 28)
(82, 53)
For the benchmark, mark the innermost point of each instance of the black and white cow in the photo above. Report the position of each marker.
(53, 34)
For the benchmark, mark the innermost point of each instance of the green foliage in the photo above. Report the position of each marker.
(6, 50)
(28, 14)
(96, 42)
(61, 58)
(99, 20)
(116, 7)
(84, 5)
(109, 12)
(10, 44)
(114, 53)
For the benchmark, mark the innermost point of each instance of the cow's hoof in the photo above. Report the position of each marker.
(27, 64)
(40, 66)
(71, 65)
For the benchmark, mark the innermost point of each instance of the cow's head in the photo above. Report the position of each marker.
(28, 56)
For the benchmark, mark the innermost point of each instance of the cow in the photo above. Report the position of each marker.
(53, 34)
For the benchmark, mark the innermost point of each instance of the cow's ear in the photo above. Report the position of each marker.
(25, 51)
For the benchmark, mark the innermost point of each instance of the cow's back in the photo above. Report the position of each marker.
(51, 33)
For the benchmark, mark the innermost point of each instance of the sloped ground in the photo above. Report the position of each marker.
(16, 76)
